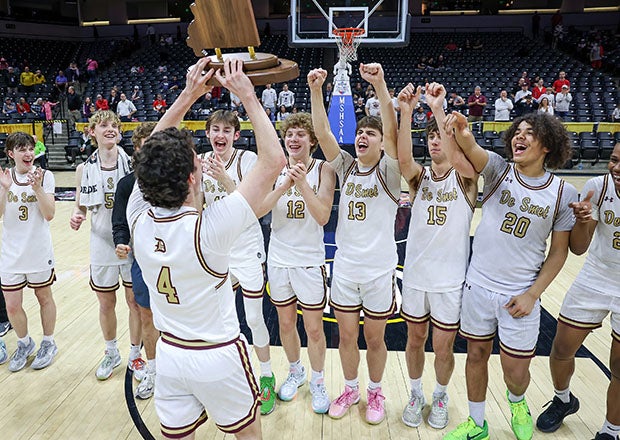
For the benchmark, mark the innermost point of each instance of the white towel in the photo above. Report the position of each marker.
(91, 191)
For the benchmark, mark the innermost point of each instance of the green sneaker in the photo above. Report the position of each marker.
(267, 394)
(468, 430)
(521, 421)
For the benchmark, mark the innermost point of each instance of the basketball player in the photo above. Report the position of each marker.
(96, 185)
(522, 205)
(122, 235)
(226, 166)
(203, 365)
(26, 256)
(443, 205)
(303, 199)
(365, 262)
(593, 295)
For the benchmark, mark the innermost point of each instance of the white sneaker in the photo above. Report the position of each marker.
(110, 361)
(288, 390)
(438, 418)
(147, 385)
(20, 357)
(45, 355)
(138, 366)
(320, 399)
(412, 414)
(4, 356)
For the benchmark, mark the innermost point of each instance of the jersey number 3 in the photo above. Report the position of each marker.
(165, 287)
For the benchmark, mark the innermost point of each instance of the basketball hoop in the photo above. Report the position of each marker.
(347, 40)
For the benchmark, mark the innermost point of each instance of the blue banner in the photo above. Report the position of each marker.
(341, 113)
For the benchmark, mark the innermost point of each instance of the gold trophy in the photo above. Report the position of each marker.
(221, 24)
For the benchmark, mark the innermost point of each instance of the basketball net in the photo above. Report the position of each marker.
(348, 39)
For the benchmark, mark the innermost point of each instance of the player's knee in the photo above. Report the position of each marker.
(287, 324)
(561, 352)
(13, 307)
(516, 373)
(254, 318)
(476, 353)
(614, 367)
(315, 333)
(416, 339)
(374, 342)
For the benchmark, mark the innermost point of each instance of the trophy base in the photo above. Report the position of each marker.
(264, 68)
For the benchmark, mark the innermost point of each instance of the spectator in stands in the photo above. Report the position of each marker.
(523, 79)
(596, 55)
(270, 114)
(73, 75)
(456, 102)
(159, 105)
(39, 78)
(451, 46)
(39, 152)
(269, 98)
(125, 109)
(503, 106)
(137, 96)
(550, 96)
(9, 106)
(164, 84)
(395, 104)
(83, 149)
(539, 90)
(47, 107)
(235, 104)
(61, 82)
(282, 113)
(328, 94)
(37, 108)
(615, 115)
(525, 106)
(360, 108)
(4, 64)
(422, 64)
(12, 81)
(476, 104)
(150, 33)
(420, 119)
(373, 107)
(562, 102)
(477, 45)
(439, 62)
(26, 79)
(544, 106)
(87, 109)
(216, 96)
(101, 103)
(74, 105)
(174, 84)
(113, 99)
(91, 69)
(286, 98)
(22, 106)
(561, 81)
(522, 94)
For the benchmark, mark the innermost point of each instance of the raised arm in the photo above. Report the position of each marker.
(435, 95)
(407, 100)
(456, 123)
(259, 181)
(46, 201)
(195, 87)
(581, 235)
(373, 73)
(327, 140)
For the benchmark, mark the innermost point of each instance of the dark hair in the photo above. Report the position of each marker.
(550, 132)
(371, 122)
(431, 126)
(15, 140)
(225, 116)
(163, 166)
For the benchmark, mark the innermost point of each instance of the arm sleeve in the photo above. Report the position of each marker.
(120, 227)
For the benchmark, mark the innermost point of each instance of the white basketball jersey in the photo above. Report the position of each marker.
(296, 238)
(601, 270)
(518, 214)
(102, 249)
(249, 249)
(366, 215)
(184, 260)
(26, 237)
(438, 238)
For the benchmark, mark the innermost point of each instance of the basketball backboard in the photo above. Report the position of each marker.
(385, 22)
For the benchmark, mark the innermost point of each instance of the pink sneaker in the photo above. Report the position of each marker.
(375, 411)
(341, 405)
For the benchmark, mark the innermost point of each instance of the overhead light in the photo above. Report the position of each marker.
(154, 20)
(96, 23)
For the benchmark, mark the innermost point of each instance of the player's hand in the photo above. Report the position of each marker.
(122, 251)
(408, 98)
(234, 79)
(521, 305)
(372, 73)
(6, 180)
(76, 220)
(196, 81)
(214, 167)
(316, 78)
(297, 173)
(583, 208)
(35, 178)
(435, 95)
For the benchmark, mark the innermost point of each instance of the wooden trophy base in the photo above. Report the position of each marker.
(264, 68)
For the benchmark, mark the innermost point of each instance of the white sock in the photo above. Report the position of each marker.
(514, 398)
(25, 340)
(265, 369)
(476, 411)
(353, 383)
(111, 345)
(610, 429)
(296, 366)
(134, 352)
(563, 395)
(416, 386)
(374, 385)
(49, 338)
(316, 376)
(150, 364)
(440, 389)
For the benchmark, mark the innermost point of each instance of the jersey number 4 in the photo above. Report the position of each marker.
(165, 287)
